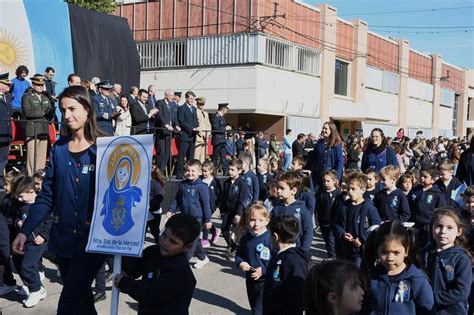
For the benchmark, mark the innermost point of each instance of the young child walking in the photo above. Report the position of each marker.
(249, 176)
(254, 253)
(447, 183)
(215, 190)
(372, 184)
(333, 288)
(287, 271)
(391, 202)
(264, 177)
(325, 212)
(157, 194)
(448, 263)
(390, 273)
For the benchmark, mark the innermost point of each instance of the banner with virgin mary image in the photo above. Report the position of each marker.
(122, 195)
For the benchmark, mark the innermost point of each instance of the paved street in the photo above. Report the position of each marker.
(220, 288)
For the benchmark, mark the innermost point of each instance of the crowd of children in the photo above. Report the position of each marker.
(395, 243)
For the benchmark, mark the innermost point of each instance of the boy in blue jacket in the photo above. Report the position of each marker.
(354, 217)
(423, 200)
(249, 176)
(447, 183)
(193, 198)
(283, 291)
(289, 184)
(167, 283)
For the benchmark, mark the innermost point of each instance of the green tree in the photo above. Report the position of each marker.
(103, 6)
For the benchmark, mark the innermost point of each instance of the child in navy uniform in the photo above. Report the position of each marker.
(306, 194)
(264, 177)
(423, 200)
(287, 271)
(272, 199)
(157, 194)
(249, 176)
(353, 219)
(289, 184)
(297, 164)
(325, 211)
(36, 243)
(405, 183)
(234, 198)
(391, 202)
(215, 191)
(254, 254)
(391, 277)
(372, 184)
(448, 263)
(167, 282)
(193, 198)
(447, 183)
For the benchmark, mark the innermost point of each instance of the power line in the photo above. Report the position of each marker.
(409, 11)
(423, 27)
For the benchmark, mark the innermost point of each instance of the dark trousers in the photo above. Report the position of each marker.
(4, 150)
(154, 226)
(352, 254)
(220, 152)
(329, 239)
(227, 226)
(196, 250)
(77, 273)
(8, 278)
(162, 145)
(255, 295)
(422, 235)
(186, 149)
(27, 265)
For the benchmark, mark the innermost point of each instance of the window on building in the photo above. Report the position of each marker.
(469, 109)
(342, 75)
(455, 114)
(307, 60)
(278, 53)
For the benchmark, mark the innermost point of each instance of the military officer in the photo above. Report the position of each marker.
(104, 108)
(218, 137)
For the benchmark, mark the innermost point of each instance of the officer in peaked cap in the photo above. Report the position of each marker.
(5, 124)
(105, 110)
(218, 137)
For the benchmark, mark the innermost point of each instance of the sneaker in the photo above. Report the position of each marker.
(23, 291)
(205, 244)
(215, 236)
(42, 276)
(5, 289)
(34, 297)
(99, 296)
(201, 263)
(193, 260)
(230, 255)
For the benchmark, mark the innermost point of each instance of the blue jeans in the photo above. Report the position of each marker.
(287, 161)
(27, 265)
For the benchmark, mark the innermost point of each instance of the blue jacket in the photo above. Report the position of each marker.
(4, 240)
(104, 110)
(22, 213)
(187, 118)
(324, 205)
(235, 196)
(309, 200)
(423, 203)
(193, 197)
(18, 88)
(256, 250)
(370, 195)
(355, 220)
(324, 158)
(157, 195)
(299, 210)
(252, 182)
(447, 190)
(215, 191)
(378, 161)
(450, 272)
(384, 297)
(284, 284)
(68, 192)
(263, 180)
(393, 206)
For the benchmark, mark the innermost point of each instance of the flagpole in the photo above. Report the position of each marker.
(115, 292)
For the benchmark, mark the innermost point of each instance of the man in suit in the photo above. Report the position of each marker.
(152, 101)
(105, 110)
(219, 137)
(165, 121)
(115, 94)
(142, 114)
(5, 124)
(187, 118)
(205, 126)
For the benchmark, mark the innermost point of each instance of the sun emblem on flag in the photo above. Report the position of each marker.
(12, 51)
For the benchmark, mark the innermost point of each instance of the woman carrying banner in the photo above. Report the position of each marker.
(68, 192)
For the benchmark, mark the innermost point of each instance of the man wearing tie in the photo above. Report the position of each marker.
(152, 101)
(187, 118)
(142, 114)
(166, 123)
(104, 108)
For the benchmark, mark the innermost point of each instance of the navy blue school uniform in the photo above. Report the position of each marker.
(325, 216)
(422, 204)
(68, 192)
(8, 206)
(215, 191)
(406, 293)
(392, 206)
(193, 197)
(252, 182)
(447, 190)
(256, 250)
(4, 241)
(263, 180)
(356, 220)
(157, 195)
(304, 216)
(309, 200)
(378, 157)
(166, 286)
(324, 158)
(451, 276)
(284, 284)
(370, 195)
